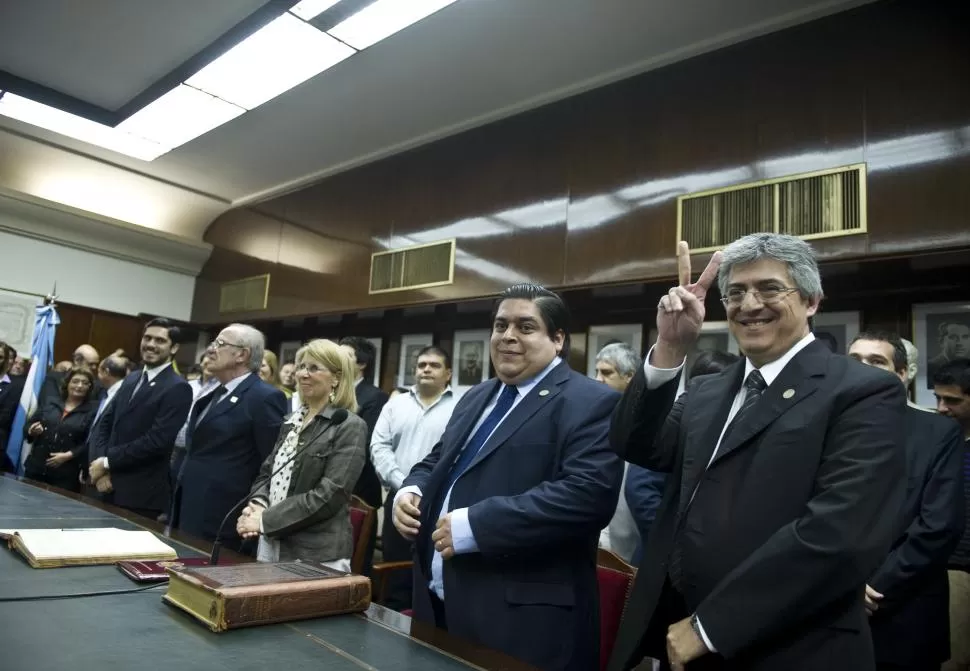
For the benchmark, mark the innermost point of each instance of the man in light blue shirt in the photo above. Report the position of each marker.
(506, 510)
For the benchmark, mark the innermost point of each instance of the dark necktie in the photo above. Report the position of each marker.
(754, 386)
(210, 402)
(142, 383)
(476, 442)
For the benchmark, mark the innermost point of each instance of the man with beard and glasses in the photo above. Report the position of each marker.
(133, 439)
(408, 428)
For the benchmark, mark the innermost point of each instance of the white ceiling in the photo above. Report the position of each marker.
(473, 62)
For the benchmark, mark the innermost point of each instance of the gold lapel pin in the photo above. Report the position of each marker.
(788, 393)
(544, 392)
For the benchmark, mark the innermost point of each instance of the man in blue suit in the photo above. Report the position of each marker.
(133, 439)
(230, 433)
(507, 509)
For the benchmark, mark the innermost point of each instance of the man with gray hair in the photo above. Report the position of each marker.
(230, 433)
(782, 468)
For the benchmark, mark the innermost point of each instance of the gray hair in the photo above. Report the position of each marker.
(621, 356)
(793, 252)
(252, 339)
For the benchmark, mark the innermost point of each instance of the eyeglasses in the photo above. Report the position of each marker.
(735, 297)
(219, 343)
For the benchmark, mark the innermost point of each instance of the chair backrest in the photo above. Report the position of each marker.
(362, 519)
(615, 578)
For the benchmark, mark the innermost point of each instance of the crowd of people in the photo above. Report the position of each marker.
(786, 509)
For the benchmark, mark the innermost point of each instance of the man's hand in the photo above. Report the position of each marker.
(443, 542)
(35, 429)
(406, 515)
(683, 644)
(103, 484)
(680, 314)
(96, 470)
(872, 600)
(58, 458)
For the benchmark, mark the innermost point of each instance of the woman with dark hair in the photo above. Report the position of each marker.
(59, 432)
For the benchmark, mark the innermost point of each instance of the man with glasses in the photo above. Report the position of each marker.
(782, 468)
(132, 442)
(230, 433)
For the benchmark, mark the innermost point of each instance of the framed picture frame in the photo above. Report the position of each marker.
(941, 332)
(376, 373)
(836, 329)
(599, 337)
(288, 350)
(410, 346)
(469, 359)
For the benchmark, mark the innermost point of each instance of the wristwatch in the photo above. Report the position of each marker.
(695, 625)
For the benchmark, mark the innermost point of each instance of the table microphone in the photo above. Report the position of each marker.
(338, 418)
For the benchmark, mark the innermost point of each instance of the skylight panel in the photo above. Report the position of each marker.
(79, 128)
(182, 114)
(272, 60)
(382, 19)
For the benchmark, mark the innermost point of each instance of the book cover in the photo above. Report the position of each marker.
(228, 597)
(155, 571)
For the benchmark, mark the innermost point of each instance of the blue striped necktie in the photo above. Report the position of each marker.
(474, 445)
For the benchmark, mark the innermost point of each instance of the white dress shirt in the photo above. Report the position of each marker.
(406, 432)
(770, 372)
(109, 394)
(462, 536)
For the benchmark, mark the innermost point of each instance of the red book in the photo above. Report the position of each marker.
(154, 571)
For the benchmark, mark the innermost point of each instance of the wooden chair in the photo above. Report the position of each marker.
(615, 578)
(362, 519)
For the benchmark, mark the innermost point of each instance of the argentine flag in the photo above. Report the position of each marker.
(42, 358)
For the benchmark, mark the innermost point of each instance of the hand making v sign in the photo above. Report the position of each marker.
(680, 314)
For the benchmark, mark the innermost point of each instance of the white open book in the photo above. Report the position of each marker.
(50, 548)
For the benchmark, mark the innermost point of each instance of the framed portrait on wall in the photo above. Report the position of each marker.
(288, 350)
(941, 333)
(376, 377)
(600, 336)
(411, 345)
(836, 329)
(469, 359)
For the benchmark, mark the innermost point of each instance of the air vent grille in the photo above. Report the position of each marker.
(415, 267)
(249, 294)
(812, 205)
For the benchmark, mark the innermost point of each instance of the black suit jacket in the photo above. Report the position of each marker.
(223, 454)
(912, 624)
(10, 394)
(537, 494)
(779, 557)
(137, 435)
(370, 402)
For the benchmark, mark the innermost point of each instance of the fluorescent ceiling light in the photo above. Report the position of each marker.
(382, 19)
(308, 9)
(79, 128)
(182, 114)
(272, 60)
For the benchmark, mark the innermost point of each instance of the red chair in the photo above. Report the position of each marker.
(362, 519)
(615, 578)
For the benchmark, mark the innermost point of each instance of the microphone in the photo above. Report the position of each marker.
(338, 418)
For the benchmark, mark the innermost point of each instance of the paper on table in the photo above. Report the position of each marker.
(105, 542)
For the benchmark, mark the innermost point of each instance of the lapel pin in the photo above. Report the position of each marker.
(788, 393)
(151, 384)
(544, 392)
(233, 399)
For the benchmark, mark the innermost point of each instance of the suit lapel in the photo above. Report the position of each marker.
(470, 418)
(538, 397)
(227, 404)
(797, 381)
(703, 427)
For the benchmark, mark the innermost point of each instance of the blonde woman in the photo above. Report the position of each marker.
(299, 507)
(269, 372)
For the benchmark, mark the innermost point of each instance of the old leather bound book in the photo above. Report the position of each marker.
(245, 595)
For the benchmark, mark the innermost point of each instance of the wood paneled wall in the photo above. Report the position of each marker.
(583, 192)
(105, 331)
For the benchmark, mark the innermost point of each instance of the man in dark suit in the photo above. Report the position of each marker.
(907, 596)
(370, 402)
(782, 470)
(507, 509)
(133, 441)
(231, 432)
(11, 389)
